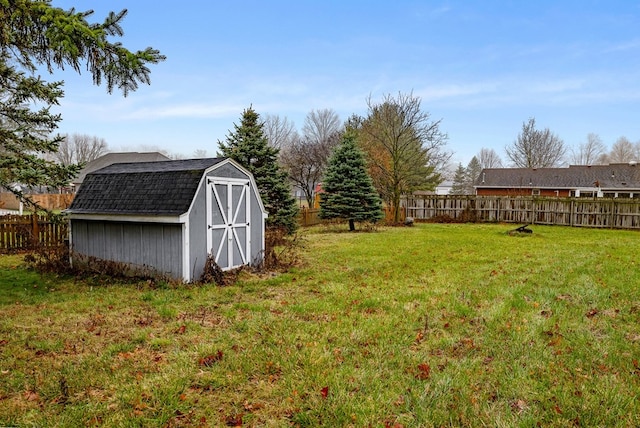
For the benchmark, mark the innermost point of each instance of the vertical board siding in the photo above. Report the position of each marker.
(144, 246)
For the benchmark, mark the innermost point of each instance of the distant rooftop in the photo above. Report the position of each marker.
(613, 176)
(117, 157)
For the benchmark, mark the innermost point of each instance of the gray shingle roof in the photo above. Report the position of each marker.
(144, 188)
(117, 157)
(614, 176)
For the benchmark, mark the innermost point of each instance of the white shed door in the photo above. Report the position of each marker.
(228, 222)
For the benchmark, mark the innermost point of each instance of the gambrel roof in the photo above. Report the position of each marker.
(621, 176)
(117, 157)
(142, 188)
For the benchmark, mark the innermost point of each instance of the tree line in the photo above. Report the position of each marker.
(541, 148)
(395, 149)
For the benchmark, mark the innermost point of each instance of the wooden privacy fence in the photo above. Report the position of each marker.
(580, 212)
(311, 216)
(48, 201)
(27, 232)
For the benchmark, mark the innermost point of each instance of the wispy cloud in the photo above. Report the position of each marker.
(455, 90)
(187, 110)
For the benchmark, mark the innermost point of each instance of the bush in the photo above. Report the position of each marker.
(282, 249)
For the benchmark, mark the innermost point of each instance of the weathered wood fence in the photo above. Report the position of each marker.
(311, 216)
(579, 212)
(48, 201)
(26, 232)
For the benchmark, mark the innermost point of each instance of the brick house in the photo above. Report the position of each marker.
(620, 180)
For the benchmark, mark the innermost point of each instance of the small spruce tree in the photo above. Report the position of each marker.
(473, 172)
(249, 146)
(347, 189)
(459, 186)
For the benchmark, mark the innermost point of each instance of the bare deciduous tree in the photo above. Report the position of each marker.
(279, 131)
(404, 147)
(321, 125)
(589, 152)
(306, 160)
(536, 148)
(622, 151)
(305, 157)
(489, 158)
(200, 154)
(80, 149)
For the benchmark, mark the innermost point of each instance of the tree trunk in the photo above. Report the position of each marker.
(352, 225)
(395, 205)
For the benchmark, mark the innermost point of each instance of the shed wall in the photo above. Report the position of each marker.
(198, 250)
(145, 246)
(257, 231)
(198, 233)
(229, 171)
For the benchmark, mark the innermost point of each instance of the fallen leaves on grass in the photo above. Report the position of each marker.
(31, 396)
(424, 371)
(251, 407)
(324, 392)
(209, 360)
(233, 420)
(519, 406)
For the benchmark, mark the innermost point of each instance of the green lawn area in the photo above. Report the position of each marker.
(432, 325)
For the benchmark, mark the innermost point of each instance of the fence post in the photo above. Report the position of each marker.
(35, 230)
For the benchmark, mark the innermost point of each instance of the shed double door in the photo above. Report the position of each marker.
(228, 222)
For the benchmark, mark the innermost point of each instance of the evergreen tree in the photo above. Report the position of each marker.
(249, 146)
(459, 181)
(473, 172)
(347, 189)
(36, 35)
(465, 178)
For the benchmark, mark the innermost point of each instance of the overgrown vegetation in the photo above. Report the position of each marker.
(435, 325)
(282, 252)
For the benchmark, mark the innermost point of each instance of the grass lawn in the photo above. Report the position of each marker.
(435, 325)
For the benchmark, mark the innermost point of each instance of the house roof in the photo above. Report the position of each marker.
(613, 176)
(142, 188)
(117, 157)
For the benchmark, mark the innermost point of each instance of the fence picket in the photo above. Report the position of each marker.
(26, 232)
(599, 213)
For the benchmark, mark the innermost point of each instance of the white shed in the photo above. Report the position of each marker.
(167, 217)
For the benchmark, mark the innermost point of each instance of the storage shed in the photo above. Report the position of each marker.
(167, 217)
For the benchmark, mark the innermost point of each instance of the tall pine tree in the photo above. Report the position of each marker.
(249, 146)
(347, 189)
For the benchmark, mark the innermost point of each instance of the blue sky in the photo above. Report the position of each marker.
(483, 67)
